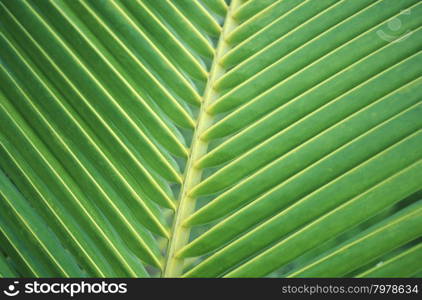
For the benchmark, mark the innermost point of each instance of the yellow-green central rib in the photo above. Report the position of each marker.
(186, 204)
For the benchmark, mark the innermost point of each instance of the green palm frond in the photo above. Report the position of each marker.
(210, 138)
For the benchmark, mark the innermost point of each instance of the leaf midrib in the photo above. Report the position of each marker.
(179, 236)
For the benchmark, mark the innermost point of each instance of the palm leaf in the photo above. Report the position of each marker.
(210, 138)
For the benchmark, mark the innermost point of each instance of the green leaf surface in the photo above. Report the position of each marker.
(210, 138)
